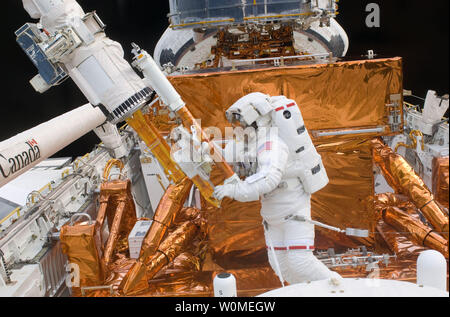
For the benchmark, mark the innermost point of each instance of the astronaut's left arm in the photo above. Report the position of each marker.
(272, 160)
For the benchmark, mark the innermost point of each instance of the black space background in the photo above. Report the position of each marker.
(415, 30)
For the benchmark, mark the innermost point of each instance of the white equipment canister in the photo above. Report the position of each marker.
(432, 270)
(225, 285)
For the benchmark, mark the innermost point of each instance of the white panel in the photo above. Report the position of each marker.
(94, 74)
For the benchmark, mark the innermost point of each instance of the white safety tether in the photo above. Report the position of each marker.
(272, 249)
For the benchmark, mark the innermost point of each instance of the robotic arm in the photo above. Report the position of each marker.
(69, 43)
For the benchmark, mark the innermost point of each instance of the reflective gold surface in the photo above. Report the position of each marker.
(404, 180)
(196, 245)
(331, 96)
(157, 145)
(120, 212)
(172, 247)
(440, 180)
(168, 208)
(81, 243)
(415, 230)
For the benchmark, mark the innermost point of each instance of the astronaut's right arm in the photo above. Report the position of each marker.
(272, 161)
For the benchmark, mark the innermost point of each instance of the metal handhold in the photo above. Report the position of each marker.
(78, 216)
(357, 232)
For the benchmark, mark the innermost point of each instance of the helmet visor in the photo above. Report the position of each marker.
(234, 118)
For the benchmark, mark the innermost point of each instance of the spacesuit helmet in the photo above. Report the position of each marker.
(249, 110)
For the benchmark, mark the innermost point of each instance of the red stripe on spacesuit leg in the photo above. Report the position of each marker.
(302, 247)
(291, 105)
(279, 109)
(299, 247)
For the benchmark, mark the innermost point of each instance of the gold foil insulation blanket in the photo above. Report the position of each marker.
(81, 243)
(168, 208)
(171, 247)
(403, 179)
(120, 212)
(157, 145)
(415, 230)
(236, 235)
(235, 232)
(331, 96)
(440, 180)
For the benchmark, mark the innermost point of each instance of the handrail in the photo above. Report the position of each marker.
(279, 16)
(15, 211)
(201, 22)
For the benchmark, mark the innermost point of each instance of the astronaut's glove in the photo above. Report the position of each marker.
(206, 150)
(220, 192)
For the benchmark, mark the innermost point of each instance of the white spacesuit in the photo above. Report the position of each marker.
(288, 171)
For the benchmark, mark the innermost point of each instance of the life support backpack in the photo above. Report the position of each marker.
(306, 162)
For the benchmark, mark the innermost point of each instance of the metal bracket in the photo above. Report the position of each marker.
(96, 288)
(4, 271)
(394, 112)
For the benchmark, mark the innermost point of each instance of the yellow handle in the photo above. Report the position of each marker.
(109, 165)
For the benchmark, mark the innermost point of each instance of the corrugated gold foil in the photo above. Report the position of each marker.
(185, 262)
(158, 145)
(383, 201)
(114, 233)
(171, 247)
(120, 212)
(81, 243)
(236, 235)
(331, 96)
(441, 179)
(168, 208)
(249, 282)
(403, 179)
(187, 214)
(415, 230)
(402, 231)
(407, 252)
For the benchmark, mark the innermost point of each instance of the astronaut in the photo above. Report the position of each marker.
(288, 170)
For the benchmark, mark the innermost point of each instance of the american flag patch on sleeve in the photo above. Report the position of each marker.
(265, 147)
